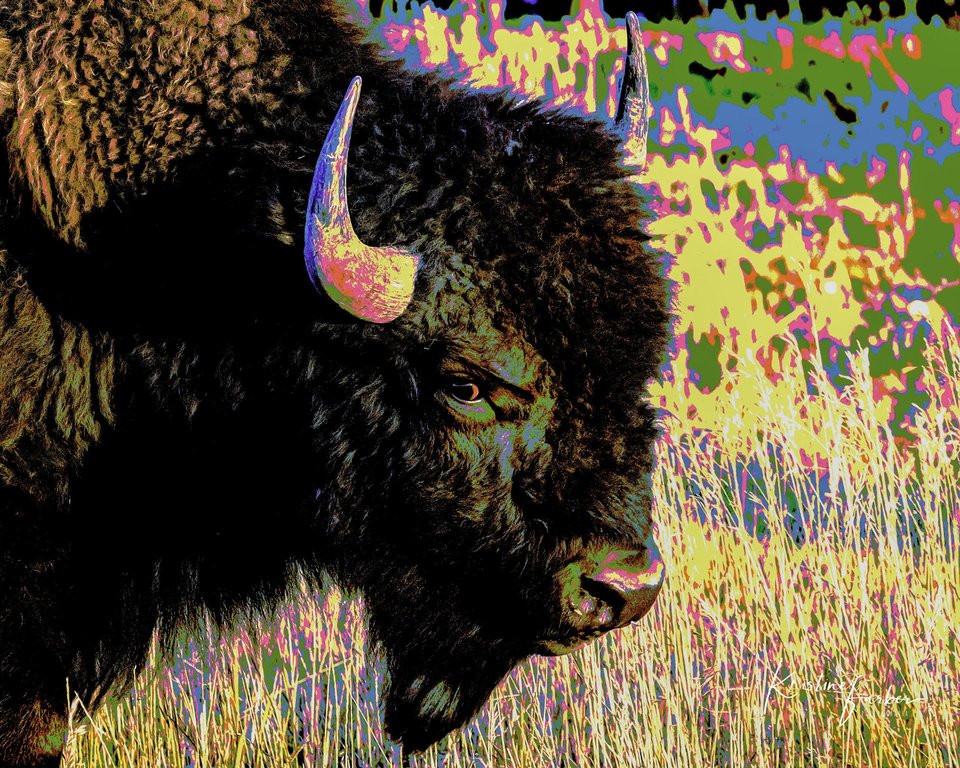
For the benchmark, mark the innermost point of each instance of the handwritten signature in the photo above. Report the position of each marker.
(849, 689)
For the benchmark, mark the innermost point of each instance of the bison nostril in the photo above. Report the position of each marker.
(606, 588)
(629, 580)
(601, 600)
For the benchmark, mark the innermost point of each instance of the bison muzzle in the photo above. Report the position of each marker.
(444, 411)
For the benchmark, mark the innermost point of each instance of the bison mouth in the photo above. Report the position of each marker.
(445, 656)
(549, 646)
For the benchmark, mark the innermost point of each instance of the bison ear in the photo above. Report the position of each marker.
(374, 284)
(634, 97)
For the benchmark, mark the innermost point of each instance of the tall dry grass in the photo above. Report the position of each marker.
(810, 618)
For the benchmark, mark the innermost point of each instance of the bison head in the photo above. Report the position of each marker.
(490, 494)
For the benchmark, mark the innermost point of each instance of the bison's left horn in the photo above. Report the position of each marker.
(374, 284)
(634, 97)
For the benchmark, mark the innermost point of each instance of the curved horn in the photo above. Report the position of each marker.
(634, 96)
(374, 284)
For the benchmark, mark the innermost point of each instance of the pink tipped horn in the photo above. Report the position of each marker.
(374, 284)
(634, 97)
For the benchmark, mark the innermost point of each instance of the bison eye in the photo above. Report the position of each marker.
(465, 392)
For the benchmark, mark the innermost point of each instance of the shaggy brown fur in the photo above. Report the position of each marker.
(185, 424)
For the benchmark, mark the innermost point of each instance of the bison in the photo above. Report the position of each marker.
(435, 397)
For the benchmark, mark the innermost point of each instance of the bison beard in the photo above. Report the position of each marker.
(475, 462)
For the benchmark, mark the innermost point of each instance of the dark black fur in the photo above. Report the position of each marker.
(186, 424)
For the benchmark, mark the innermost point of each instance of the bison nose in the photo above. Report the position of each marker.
(628, 581)
(605, 589)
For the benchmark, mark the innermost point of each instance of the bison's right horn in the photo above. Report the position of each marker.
(634, 97)
(374, 284)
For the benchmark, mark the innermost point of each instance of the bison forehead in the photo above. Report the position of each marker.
(548, 235)
(590, 324)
